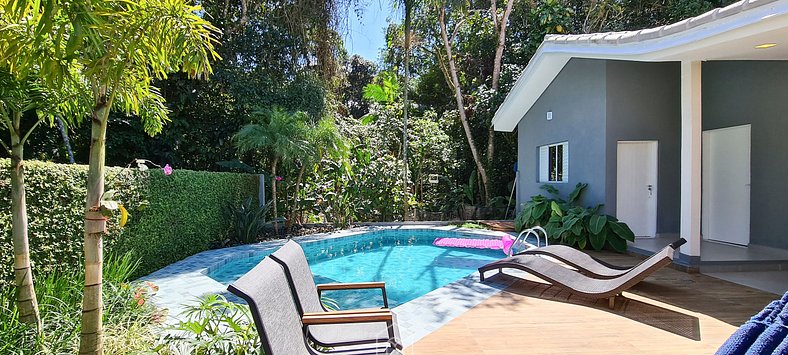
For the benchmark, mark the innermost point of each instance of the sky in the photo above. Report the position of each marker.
(366, 36)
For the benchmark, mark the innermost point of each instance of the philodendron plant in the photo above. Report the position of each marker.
(567, 222)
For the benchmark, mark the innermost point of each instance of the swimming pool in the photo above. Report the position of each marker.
(405, 260)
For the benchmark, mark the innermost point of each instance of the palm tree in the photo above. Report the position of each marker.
(281, 134)
(325, 141)
(32, 78)
(125, 45)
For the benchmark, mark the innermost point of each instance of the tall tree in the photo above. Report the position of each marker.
(441, 7)
(128, 45)
(37, 85)
(408, 7)
(500, 29)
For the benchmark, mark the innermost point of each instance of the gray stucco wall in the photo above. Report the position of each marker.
(644, 103)
(755, 92)
(577, 99)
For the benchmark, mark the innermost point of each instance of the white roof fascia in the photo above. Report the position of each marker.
(683, 40)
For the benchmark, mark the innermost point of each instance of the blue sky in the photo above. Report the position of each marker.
(367, 35)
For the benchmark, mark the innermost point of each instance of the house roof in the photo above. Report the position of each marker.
(729, 33)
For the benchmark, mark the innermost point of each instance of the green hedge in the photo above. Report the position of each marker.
(172, 217)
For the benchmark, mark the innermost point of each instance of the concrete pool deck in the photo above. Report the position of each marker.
(183, 282)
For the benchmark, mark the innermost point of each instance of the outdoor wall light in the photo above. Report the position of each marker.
(549, 115)
(765, 45)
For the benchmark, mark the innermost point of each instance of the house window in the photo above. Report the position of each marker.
(554, 162)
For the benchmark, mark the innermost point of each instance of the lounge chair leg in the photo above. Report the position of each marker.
(611, 302)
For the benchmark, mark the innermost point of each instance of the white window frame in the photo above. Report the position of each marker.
(549, 177)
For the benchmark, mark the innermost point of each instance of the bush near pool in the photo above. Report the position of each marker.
(171, 217)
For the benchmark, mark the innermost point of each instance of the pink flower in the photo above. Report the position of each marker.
(278, 178)
(167, 169)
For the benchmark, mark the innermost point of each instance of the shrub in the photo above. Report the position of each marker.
(172, 217)
(130, 320)
(248, 222)
(568, 223)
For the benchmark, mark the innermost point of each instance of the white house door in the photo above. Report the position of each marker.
(726, 185)
(636, 190)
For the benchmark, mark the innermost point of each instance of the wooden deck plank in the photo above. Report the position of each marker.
(498, 225)
(672, 312)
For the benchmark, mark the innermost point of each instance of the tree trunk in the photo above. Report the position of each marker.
(501, 29)
(66, 142)
(461, 106)
(91, 337)
(25, 292)
(406, 106)
(296, 207)
(273, 194)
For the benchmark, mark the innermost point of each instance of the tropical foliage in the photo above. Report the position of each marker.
(265, 88)
(566, 222)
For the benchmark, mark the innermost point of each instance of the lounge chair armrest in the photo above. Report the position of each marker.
(357, 311)
(346, 317)
(355, 286)
(351, 286)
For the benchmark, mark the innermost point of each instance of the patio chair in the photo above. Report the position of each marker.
(307, 295)
(580, 284)
(282, 330)
(584, 263)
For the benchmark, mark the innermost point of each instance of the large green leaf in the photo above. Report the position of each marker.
(556, 208)
(596, 223)
(617, 243)
(538, 211)
(598, 239)
(577, 229)
(575, 194)
(622, 230)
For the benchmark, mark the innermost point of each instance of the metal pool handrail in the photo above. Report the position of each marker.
(533, 230)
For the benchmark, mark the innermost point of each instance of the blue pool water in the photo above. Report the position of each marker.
(405, 260)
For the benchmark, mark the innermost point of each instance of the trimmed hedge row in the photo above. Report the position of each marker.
(171, 217)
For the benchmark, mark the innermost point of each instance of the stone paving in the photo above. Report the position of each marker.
(184, 281)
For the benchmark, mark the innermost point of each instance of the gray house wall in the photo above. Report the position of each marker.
(644, 103)
(577, 99)
(755, 92)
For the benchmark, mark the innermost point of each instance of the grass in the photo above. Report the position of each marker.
(471, 225)
(130, 321)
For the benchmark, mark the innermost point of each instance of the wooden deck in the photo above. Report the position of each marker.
(672, 312)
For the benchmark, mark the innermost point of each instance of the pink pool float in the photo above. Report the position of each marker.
(504, 243)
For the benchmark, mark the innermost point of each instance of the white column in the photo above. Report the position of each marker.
(691, 156)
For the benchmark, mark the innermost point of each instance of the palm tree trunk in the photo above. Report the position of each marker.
(296, 207)
(91, 337)
(273, 194)
(461, 106)
(25, 292)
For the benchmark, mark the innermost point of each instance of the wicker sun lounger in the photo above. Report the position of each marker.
(578, 283)
(307, 295)
(584, 263)
(280, 326)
